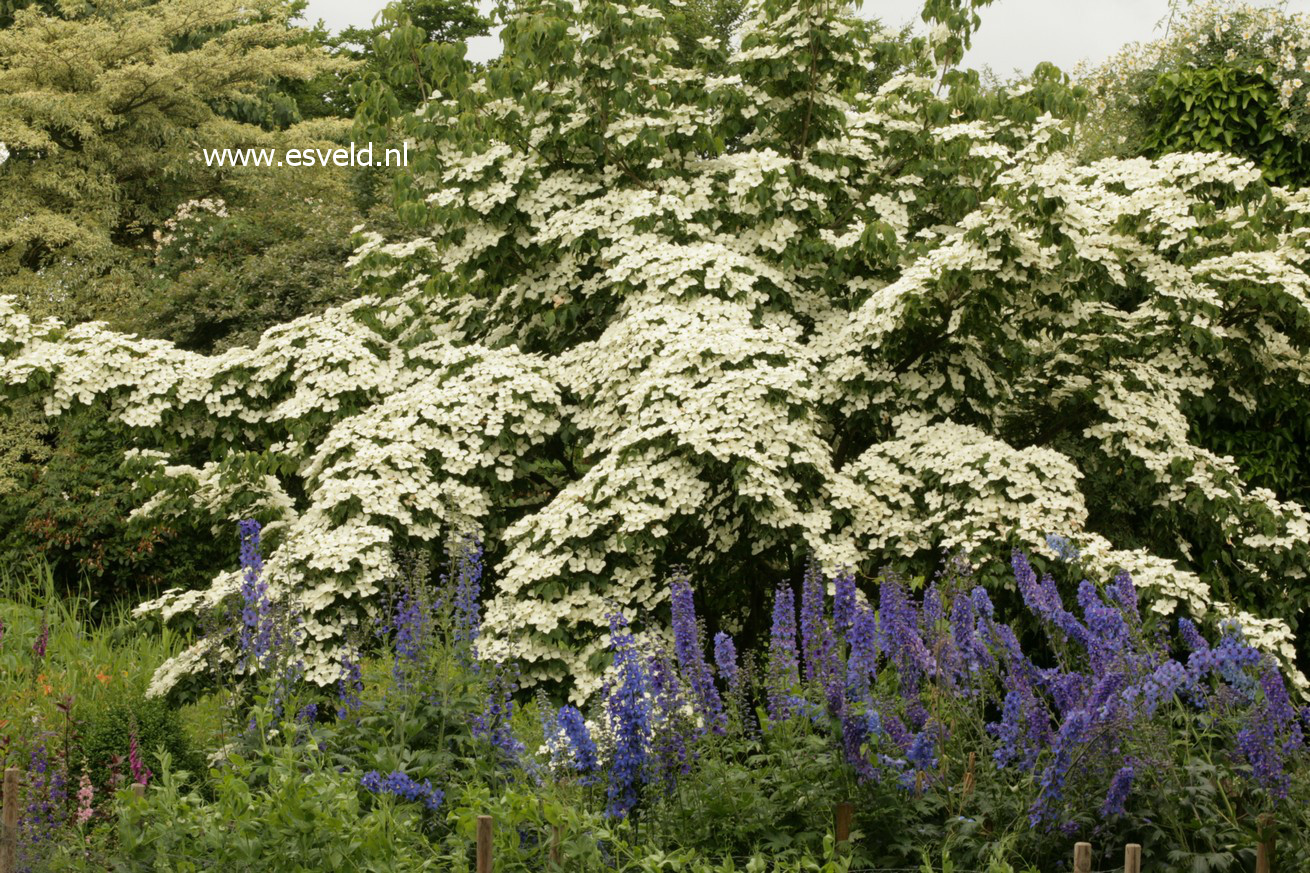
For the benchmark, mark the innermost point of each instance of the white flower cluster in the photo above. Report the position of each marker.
(735, 332)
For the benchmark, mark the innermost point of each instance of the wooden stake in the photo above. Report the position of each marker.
(9, 822)
(556, 839)
(139, 791)
(841, 824)
(1082, 858)
(484, 844)
(1132, 858)
(968, 774)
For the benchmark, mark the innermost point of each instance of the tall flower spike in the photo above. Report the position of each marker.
(628, 711)
(468, 591)
(725, 658)
(843, 603)
(691, 656)
(784, 668)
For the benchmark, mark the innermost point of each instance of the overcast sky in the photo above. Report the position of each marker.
(1016, 34)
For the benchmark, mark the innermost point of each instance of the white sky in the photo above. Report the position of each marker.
(1016, 34)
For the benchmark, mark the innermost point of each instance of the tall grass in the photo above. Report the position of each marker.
(94, 653)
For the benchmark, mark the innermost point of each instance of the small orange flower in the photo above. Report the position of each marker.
(103, 677)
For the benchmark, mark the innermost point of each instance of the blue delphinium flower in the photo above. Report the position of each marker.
(670, 732)
(400, 785)
(862, 661)
(817, 644)
(1272, 733)
(1120, 787)
(468, 590)
(691, 655)
(350, 685)
(1073, 732)
(725, 658)
(1064, 549)
(843, 602)
(628, 711)
(784, 666)
(493, 723)
(582, 749)
(256, 636)
(412, 627)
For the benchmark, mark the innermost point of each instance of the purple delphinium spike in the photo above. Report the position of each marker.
(256, 638)
(670, 733)
(628, 711)
(817, 644)
(691, 655)
(400, 785)
(725, 658)
(784, 667)
(862, 662)
(843, 601)
(1120, 787)
(582, 748)
(350, 685)
(468, 590)
(898, 632)
(493, 723)
(1072, 733)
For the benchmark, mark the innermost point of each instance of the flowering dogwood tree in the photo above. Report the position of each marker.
(731, 315)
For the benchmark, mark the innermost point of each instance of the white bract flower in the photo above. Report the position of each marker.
(723, 326)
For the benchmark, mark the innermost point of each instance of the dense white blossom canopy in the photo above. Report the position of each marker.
(729, 316)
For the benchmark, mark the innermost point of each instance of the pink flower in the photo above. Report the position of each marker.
(85, 796)
(140, 773)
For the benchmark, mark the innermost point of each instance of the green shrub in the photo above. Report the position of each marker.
(107, 733)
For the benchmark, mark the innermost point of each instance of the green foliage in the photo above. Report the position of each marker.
(102, 145)
(69, 506)
(107, 732)
(288, 812)
(1228, 109)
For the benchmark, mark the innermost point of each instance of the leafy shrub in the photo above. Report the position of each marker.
(107, 737)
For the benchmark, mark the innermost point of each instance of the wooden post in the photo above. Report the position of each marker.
(9, 822)
(841, 825)
(484, 844)
(1132, 858)
(1082, 858)
(139, 791)
(1264, 852)
(968, 775)
(556, 839)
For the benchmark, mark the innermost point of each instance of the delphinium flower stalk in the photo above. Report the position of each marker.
(691, 655)
(41, 819)
(1271, 734)
(493, 723)
(411, 627)
(817, 644)
(628, 711)
(670, 733)
(400, 785)
(468, 589)
(350, 686)
(784, 666)
(582, 749)
(256, 637)
(725, 658)
(843, 601)
(1120, 787)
